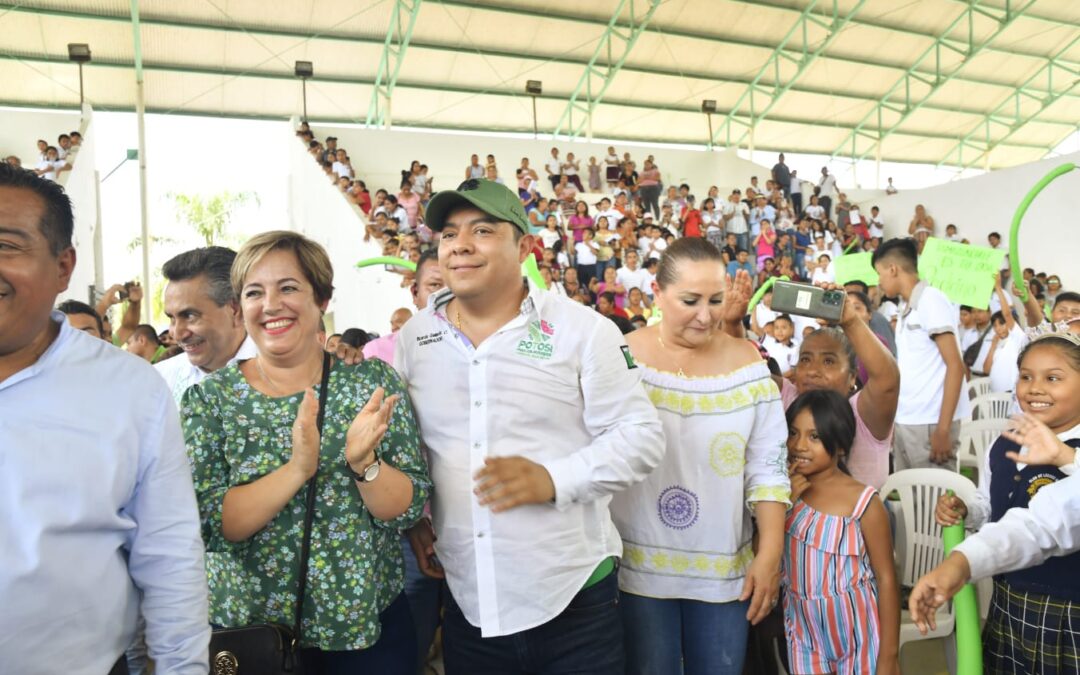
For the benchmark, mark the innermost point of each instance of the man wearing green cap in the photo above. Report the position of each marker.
(494, 366)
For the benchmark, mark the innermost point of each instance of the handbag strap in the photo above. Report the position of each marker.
(309, 510)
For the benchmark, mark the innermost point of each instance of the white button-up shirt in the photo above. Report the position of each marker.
(180, 373)
(1049, 526)
(555, 385)
(99, 517)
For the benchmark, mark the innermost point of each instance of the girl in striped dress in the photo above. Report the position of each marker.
(841, 602)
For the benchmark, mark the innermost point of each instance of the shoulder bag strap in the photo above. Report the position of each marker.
(309, 510)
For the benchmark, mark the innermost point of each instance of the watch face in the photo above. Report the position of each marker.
(372, 472)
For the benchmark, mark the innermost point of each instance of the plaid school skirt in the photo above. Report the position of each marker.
(1030, 634)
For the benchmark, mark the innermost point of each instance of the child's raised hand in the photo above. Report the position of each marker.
(1043, 445)
(950, 510)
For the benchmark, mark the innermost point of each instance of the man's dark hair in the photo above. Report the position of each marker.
(784, 317)
(355, 338)
(213, 261)
(62, 137)
(76, 307)
(609, 296)
(902, 250)
(57, 222)
(147, 331)
(994, 234)
(862, 287)
(428, 256)
(1066, 296)
(624, 324)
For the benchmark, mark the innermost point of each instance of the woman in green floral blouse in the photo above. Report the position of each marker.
(253, 442)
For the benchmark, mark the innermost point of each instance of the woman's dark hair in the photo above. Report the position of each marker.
(1069, 349)
(355, 338)
(693, 249)
(834, 421)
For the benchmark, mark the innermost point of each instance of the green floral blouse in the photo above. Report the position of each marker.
(236, 435)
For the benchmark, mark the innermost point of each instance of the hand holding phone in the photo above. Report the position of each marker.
(807, 300)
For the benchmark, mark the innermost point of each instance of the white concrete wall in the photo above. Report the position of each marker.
(1049, 239)
(81, 184)
(362, 298)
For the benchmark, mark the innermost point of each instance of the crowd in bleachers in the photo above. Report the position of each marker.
(52, 160)
(729, 457)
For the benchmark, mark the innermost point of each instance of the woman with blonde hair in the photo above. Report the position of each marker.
(256, 449)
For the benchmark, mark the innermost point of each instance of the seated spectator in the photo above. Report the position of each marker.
(570, 169)
(342, 166)
(605, 304)
(143, 343)
(50, 165)
(741, 262)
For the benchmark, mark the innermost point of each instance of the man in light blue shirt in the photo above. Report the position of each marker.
(99, 514)
(762, 211)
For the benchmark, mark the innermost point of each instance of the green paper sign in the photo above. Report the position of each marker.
(963, 272)
(855, 267)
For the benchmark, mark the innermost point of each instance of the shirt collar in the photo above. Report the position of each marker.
(913, 302)
(66, 335)
(534, 301)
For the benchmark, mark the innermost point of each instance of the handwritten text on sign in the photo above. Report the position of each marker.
(963, 272)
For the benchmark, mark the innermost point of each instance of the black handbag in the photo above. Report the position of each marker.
(272, 648)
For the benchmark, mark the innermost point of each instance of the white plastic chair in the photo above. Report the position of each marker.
(918, 545)
(976, 437)
(992, 406)
(978, 386)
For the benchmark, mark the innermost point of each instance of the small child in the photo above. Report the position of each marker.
(1041, 604)
(781, 345)
(841, 600)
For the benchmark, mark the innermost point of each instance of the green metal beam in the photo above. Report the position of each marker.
(426, 86)
(398, 34)
(902, 87)
(781, 85)
(1007, 116)
(559, 59)
(611, 51)
(892, 28)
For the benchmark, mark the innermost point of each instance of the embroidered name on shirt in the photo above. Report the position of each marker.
(428, 339)
(538, 345)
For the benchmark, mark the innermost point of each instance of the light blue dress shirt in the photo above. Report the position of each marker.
(97, 508)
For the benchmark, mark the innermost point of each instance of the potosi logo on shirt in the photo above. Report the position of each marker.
(538, 345)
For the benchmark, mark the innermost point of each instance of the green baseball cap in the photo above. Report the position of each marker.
(490, 197)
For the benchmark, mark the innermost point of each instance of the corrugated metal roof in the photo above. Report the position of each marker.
(469, 60)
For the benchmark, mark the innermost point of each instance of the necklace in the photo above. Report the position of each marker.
(266, 378)
(693, 353)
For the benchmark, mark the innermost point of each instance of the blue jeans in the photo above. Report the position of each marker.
(742, 241)
(586, 639)
(425, 600)
(393, 653)
(669, 637)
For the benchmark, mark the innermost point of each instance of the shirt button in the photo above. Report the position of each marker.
(476, 445)
(479, 535)
(1016, 478)
(478, 403)
(476, 362)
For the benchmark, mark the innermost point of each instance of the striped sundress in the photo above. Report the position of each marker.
(831, 598)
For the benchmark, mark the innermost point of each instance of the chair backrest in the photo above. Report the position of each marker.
(992, 406)
(976, 437)
(978, 386)
(919, 546)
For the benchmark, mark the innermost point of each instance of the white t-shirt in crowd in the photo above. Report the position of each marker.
(585, 254)
(639, 278)
(553, 166)
(341, 169)
(613, 218)
(737, 213)
(877, 227)
(786, 355)
(815, 211)
(549, 237)
(657, 247)
(828, 185)
(825, 275)
(922, 369)
(1004, 371)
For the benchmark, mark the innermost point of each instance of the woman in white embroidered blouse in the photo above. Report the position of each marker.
(691, 582)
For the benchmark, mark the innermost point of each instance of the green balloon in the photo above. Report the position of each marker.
(1014, 233)
(530, 270)
(966, 607)
(387, 260)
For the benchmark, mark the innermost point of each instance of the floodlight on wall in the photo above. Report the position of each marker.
(304, 70)
(534, 88)
(708, 106)
(79, 52)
